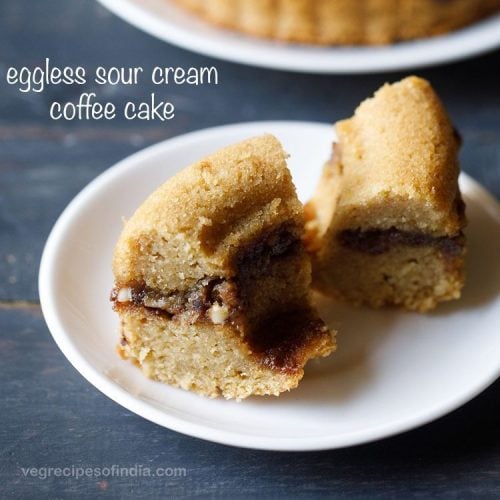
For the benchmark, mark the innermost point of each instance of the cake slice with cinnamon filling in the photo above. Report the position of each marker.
(212, 278)
(385, 224)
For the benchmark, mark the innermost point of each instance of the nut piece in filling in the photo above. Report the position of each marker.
(385, 224)
(212, 278)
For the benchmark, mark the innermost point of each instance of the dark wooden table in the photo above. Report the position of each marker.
(49, 415)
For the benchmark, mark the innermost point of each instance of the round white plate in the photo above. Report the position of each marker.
(393, 371)
(164, 20)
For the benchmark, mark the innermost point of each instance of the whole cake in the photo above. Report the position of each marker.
(212, 278)
(385, 224)
(342, 22)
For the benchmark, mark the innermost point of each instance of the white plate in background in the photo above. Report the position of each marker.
(166, 21)
(393, 370)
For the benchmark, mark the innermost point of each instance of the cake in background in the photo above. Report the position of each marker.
(342, 22)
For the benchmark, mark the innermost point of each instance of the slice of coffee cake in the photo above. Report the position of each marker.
(385, 224)
(212, 278)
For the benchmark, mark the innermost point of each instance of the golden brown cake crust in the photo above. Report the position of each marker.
(385, 224)
(206, 213)
(342, 22)
(399, 159)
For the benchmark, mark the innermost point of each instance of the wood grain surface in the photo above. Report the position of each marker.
(49, 415)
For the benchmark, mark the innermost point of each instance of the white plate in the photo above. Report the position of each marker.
(166, 21)
(393, 371)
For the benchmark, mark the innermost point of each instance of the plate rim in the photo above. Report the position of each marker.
(434, 51)
(121, 396)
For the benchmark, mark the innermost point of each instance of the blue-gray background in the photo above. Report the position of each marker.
(49, 415)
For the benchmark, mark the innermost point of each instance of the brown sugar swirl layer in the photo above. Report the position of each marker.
(275, 340)
(278, 242)
(278, 340)
(212, 299)
(379, 241)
